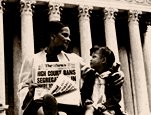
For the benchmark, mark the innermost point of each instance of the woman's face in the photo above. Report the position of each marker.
(62, 40)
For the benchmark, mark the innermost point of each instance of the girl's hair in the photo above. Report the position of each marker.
(104, 52)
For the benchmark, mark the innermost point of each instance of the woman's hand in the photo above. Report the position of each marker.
(31, 88)
(118, 78)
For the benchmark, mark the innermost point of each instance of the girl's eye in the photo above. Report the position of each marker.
(93, 56)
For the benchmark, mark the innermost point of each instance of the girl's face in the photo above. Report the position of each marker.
(62, 40)
(96, 60)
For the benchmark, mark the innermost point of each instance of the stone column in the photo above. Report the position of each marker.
(138, 64)
(85, 32)
(17, 61)
(147, 58)
(27, 37)
(132, 83)
(127, 90)
(110, 31)
(54, 11)
(2, 63)
(110, 36)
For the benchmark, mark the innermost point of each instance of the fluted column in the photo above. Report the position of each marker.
(127, 90)
(138, 64)
(147, 58)
(110, 30)
(132, 83)
(54, 11)
(2, 61)
(27, 36)
(85, 32)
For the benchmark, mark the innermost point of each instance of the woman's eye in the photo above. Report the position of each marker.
(65, 34)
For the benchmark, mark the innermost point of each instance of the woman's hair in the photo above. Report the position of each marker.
(55, 27)
(104, 52)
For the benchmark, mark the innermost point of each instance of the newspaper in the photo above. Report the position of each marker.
(61, 79)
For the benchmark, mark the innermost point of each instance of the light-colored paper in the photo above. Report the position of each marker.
(60, 79)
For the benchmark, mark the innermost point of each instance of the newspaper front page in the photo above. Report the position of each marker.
(61, 79)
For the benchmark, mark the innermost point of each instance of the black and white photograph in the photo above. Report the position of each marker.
(75, 57)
